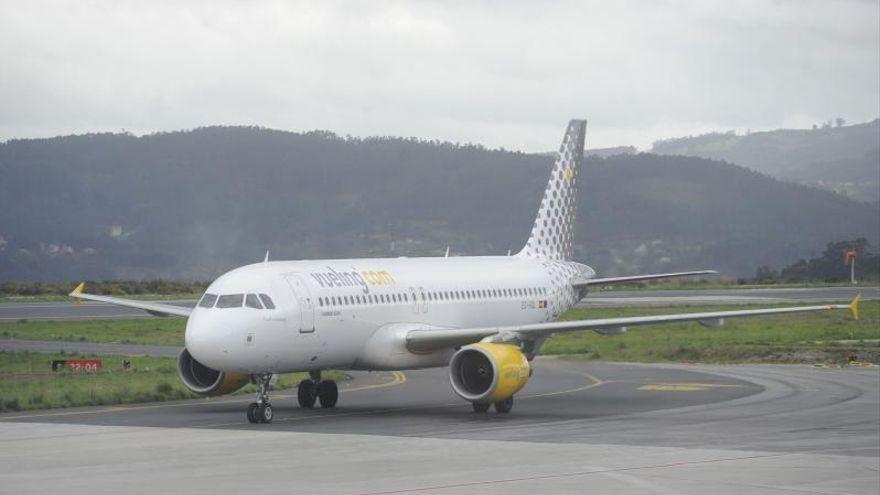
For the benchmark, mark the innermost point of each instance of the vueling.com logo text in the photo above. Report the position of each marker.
(354, 278)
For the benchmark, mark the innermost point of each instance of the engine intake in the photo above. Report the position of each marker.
(488, 372)
(207, 381)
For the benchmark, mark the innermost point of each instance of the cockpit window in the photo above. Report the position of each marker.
(251, 301)
(208, 300)
(230, 301)
(267, 301)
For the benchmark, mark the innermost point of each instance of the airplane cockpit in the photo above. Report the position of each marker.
(249, 300)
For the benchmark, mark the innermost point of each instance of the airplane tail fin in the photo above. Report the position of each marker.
(552, 236)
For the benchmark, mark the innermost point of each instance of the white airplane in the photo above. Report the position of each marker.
(485, 317)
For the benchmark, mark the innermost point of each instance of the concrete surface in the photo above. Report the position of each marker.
(578, 427)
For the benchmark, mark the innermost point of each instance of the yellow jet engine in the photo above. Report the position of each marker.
(488, 373)
(207, 381)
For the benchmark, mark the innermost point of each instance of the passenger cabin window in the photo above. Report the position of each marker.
(267, 301)
(208, 300)
(252, 301)
(230, 301)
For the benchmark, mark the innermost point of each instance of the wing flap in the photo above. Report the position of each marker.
(156, 309)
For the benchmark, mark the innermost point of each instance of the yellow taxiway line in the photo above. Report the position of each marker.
(686, 387)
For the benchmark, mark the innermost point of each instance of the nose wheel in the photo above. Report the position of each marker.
(261, 410)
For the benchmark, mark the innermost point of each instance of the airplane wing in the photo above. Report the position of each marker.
(434, 339)
(637, 278)
(156, 309)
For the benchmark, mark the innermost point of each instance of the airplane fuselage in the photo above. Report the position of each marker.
(355, 313)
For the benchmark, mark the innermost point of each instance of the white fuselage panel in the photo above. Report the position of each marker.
(328, 311)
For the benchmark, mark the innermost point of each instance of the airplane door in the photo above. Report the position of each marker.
(424, 300)
(415, 299)
(304, 299)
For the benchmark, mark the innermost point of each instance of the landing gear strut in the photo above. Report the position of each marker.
(314, 388)
(261, 410)
(481, 407)
(502, 406)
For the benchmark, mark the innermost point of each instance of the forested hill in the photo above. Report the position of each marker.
(190, 205)
(845, 158)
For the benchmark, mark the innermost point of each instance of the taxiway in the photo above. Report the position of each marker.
(577, 427)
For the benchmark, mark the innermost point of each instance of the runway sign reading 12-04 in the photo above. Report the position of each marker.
(77, 364)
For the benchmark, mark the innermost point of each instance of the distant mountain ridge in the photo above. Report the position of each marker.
(845, 159)
(190, 205)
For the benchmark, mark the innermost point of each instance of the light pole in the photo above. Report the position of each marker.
(851, 261)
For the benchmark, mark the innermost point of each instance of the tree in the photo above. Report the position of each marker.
(830, 266)
(766, 274)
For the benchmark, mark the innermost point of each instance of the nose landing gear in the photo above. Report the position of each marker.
(261, 410)
(314, 388)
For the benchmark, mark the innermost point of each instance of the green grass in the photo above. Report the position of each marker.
(27, 382)
(150, 331)
(808, 337)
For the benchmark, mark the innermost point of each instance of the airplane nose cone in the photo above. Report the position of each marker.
(203, 340)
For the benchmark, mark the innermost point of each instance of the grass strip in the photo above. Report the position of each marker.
(27, 382)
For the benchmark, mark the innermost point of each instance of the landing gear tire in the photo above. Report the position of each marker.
(328, 393)
(481, 407)
(261, 410)
(306, 394)
(252, 412)
(504, 406)
(265, 413)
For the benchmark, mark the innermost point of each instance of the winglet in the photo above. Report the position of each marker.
(77, 291)
(854, 306)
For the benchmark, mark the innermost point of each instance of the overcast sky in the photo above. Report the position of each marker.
(499, 73)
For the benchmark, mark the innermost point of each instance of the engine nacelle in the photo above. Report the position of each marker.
(207, 381)
(488, 372)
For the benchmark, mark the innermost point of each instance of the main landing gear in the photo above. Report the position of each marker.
(261, 410)
(313, 388)
(502, 406)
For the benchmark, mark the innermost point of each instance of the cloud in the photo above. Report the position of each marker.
(500, 73)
